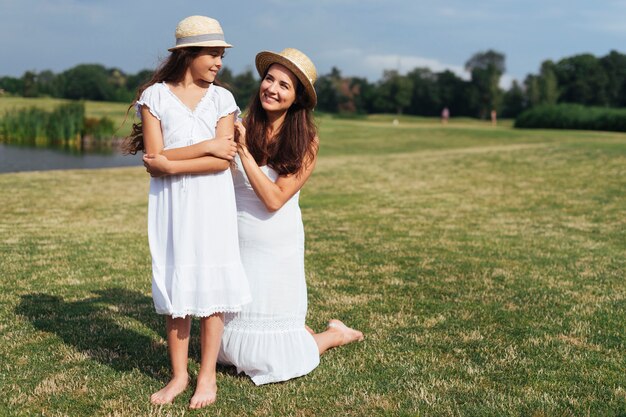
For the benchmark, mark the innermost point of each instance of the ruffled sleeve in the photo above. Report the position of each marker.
(150, 99)
(226, 103)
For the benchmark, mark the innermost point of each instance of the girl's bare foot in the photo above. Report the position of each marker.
(348, 334)
(170, 391)
(206, 393)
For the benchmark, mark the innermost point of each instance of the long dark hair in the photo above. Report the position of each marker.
(172, 70)
(293, 147)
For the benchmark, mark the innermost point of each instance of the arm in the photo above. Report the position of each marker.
(272, 194)
(158, 165)
(222, 146)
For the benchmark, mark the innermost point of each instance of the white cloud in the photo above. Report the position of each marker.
(406, 63)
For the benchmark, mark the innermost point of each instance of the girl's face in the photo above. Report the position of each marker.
(207, 64)
(278, 89)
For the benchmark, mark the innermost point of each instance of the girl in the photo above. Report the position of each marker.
(277, 152)
(192, 224)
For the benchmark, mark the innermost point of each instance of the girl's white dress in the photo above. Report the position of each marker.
(192, 219)
(267, 340)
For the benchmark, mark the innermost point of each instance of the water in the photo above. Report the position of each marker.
(16, 159)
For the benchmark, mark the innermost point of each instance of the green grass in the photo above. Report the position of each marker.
(484, 265)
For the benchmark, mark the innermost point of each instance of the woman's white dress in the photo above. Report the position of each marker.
(267, 340)
(192, 219)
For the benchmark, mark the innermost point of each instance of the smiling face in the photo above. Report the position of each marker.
(278, 89)
(207, 64)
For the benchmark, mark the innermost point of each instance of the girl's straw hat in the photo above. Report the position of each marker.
(296, 62)
(199, 31)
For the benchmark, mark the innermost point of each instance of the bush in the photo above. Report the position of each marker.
(573, 116)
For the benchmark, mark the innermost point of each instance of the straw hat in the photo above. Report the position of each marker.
(296, 62)
(199, 31)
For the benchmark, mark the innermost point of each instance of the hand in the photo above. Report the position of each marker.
(240, 135)
(222, 147)
(157, 165)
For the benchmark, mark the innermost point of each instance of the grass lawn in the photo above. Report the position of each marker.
(485, 266)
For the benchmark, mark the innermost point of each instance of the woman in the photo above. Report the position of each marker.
(268, 339)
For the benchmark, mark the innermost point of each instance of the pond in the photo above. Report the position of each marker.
(17, 158)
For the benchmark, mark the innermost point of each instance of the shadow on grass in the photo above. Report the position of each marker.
(96, 327)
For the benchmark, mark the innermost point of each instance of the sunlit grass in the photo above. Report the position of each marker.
(484, 265)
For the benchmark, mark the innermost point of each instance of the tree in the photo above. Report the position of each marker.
(327, 91)
(47, 84)
(395, 92)
(245, 85)
(548, 84)
(29, 83)
(614, 65)
(486, 68)
(514, 101)
(582, 79)
(134, 81)
(87, 82)
(425, 99)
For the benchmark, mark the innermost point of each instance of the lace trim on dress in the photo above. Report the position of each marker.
(140, 103)
(202, 313)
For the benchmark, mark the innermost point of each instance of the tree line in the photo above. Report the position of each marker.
(584, 79)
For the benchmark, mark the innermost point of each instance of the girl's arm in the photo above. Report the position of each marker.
(158, 164)
(222, 146)
(272, 194)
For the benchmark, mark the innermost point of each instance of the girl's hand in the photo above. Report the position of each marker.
(224, 147)
(240, 134)
(157, 165)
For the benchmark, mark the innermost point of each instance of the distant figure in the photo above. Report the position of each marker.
(445, 115)
(395, 122)
(494, 117)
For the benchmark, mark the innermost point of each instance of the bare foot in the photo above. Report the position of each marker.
(170, 391)
(206, 393)
(348, 334)
(308, 329)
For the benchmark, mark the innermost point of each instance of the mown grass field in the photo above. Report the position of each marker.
(485, 266)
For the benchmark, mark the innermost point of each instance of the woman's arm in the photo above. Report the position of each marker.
(272, 194)
(158, 164)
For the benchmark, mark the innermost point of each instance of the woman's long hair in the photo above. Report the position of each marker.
(293, 147)
(172, 70)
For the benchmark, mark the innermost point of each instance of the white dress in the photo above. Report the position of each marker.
(267, 340)
(192, 223)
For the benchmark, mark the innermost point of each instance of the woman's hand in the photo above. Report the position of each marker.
(157, 165)
(240, 135)
(223, 147)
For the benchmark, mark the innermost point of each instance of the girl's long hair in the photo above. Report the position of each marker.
(293, 147)
(172, 70)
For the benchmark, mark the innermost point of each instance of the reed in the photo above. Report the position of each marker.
(65, 127)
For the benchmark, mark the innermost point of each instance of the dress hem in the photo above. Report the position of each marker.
(204, 312)
(271, 379)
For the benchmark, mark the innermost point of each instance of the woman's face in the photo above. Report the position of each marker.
(207, 64)
(278, 89)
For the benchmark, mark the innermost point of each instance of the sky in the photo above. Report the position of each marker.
(360, 37)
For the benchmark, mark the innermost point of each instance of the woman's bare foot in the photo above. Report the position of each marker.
(348, 334)
(206, 393)
(170, 391)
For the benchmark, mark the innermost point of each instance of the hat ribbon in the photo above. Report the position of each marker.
(200, 38)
